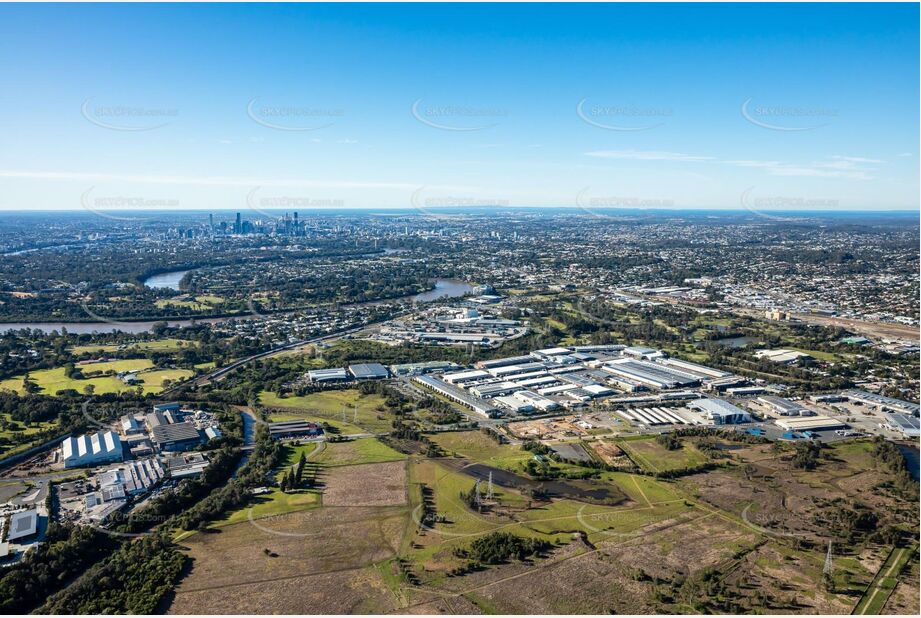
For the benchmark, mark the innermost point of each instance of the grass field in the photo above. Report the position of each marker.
(157, 345)
(202, 302)
(348, 410)
(17, 436)
(885, 581)
(477, 446)
(50, 381)
(278, 502)
(353, 452)
(654, 457)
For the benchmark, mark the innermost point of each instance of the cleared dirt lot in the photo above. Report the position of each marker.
(355, 591)
(315, 563)
(381, 484)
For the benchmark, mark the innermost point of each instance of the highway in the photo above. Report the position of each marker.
(217, 374)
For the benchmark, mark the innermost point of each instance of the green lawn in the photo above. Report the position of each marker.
(157, 345)
(202, 302)
(19, 438)
(348, 410)
(50, 381)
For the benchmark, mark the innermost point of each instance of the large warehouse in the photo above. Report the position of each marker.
(102, 447)
(719, 412)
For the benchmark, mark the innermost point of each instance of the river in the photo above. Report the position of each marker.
(166, 281)
(910, 453)
(444, 288)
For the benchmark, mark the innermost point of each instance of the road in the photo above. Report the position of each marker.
(885, 581)
(217, 374)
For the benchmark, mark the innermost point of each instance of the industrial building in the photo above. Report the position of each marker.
(187, 465)
(320, 376)
(785, 357)
(91, 450)
(642, 352)
(882, 402)
(459, 377)
(176, 436)
(294, 429)
(502, 362)
(650, 374)
(903, 423)
(369, 371)
(457, 395)
(22, 525)
(544, 404)
(719, 412)
(784, 407)
(695, 369)
(809, 423)
(416, 369)
(131, 478)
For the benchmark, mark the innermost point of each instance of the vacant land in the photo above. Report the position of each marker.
(479, 447)
(380, 484)
(361, 451)
(653, 457)
(886, 580)
(388, 534)
(317, 561)
(348, 410)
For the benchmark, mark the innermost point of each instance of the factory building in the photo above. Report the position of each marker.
(650, 374)
(549, 353)
(694, 368)
(92, 450)
(719, 412)
(176, 437)
(294, 429)
(515, 405)
(416, 369)
(460, 377)
(903, 423)
(809, 423)
(543, 404)
(784, 357)
(186, 465)
(494, 389)
(510, 370)
(22, 525)
(457, 395)
(642, 352)
(369, 371)
(882, 402)
(784, 407)
(502, 362)
(322, 376)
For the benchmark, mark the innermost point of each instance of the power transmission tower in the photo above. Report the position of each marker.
(489, 487)
(476, 494)
(828, 562)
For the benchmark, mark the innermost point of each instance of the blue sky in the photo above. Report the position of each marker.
(685, 106)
